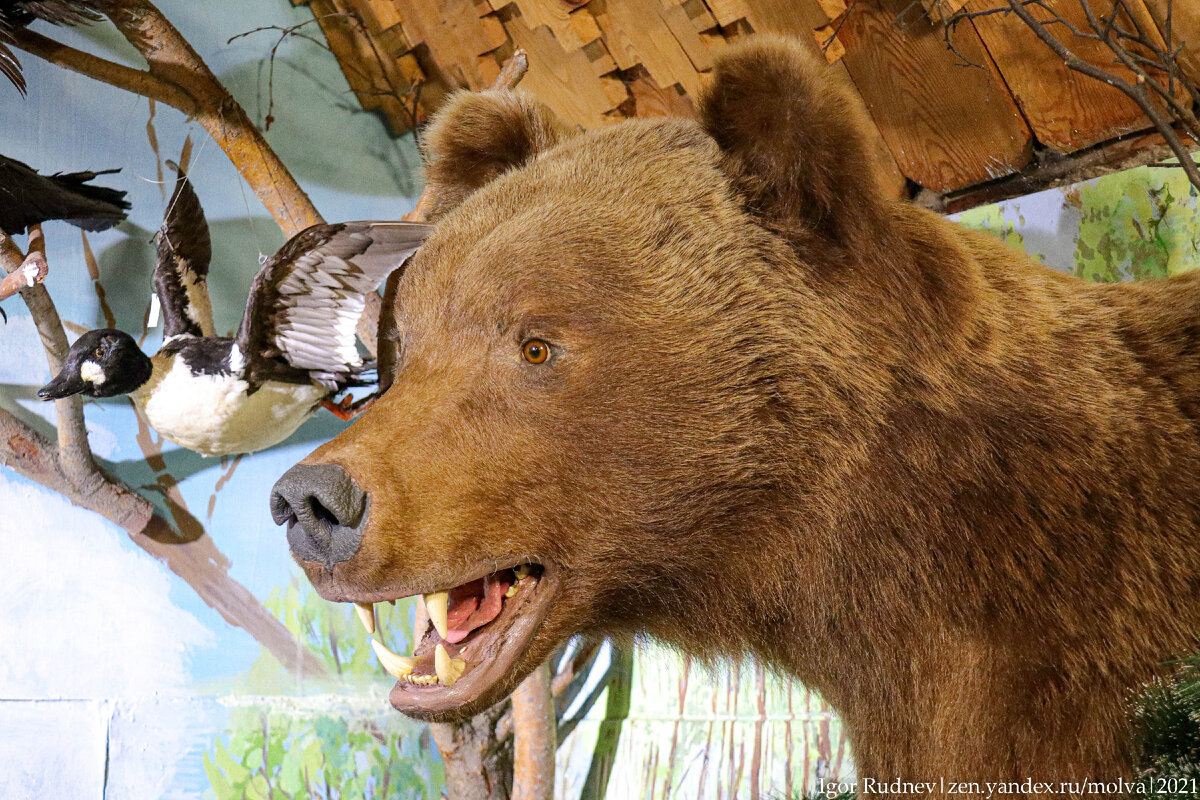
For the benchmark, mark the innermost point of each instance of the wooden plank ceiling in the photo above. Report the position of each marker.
(947, 119)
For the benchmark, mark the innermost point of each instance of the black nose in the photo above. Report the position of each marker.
(324, 510)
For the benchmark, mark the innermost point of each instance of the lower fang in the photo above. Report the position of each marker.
(366, 615)
(512, 590)
(448, 669)
(398, 667)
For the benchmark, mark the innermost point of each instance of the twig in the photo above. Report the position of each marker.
(382, 334)
(1124, 43)
(1135, 92)
(74, 455)
(620, 688)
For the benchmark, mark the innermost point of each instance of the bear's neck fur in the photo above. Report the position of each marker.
(990, 534)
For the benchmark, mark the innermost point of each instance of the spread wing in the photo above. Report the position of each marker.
(181, 272)
(306, 300)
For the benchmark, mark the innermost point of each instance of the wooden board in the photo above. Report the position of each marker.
(937, 122)
(1066, 110)
(948, 125)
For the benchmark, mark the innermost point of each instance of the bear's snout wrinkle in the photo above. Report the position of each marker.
(325, 512)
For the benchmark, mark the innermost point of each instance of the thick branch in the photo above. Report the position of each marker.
(536, 740)
(138, 81)
(198, 562)
(177, 76)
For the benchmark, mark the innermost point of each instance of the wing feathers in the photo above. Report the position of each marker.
(306, 300)
(181, 272)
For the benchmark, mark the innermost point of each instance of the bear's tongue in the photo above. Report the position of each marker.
(474, 605)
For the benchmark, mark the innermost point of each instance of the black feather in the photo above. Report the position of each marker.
(184, 252)
(27, 198)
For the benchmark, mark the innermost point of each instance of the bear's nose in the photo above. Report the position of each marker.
(324, 510)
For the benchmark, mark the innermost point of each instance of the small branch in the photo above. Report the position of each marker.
(177, 76)
(70, 470)
(74, 455)
(1137, 93)
(1118, 40)
(31, 272)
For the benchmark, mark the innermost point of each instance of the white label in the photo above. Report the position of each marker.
(155, 310)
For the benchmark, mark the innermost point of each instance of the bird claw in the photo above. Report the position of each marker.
(347, 408)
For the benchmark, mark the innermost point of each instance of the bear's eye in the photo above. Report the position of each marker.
(98, 352)
(535, 351)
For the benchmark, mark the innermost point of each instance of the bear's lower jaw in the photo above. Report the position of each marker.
(470, 642)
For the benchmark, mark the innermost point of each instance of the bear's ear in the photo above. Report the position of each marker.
(795, 141)
(477, 136)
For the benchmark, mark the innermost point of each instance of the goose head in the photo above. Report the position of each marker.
(101, 363)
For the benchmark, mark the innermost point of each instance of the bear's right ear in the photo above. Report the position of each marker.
(477, 136)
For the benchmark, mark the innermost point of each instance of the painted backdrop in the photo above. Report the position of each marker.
(117, 681)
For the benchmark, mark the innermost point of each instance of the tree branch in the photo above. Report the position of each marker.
(70, 470)
(177, 76)
(74, 456)
(535, 741)
(1137, 93)
(138, 81)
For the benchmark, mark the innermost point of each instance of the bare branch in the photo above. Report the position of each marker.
(1130, 47)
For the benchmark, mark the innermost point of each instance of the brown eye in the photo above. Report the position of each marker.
(535, 351)
(98, 352)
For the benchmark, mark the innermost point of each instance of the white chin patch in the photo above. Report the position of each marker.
(92, 372)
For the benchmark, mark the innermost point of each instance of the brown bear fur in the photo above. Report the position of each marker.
(787, 417)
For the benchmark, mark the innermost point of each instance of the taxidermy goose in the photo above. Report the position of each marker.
(27, 198)
(294, 350)
(16, 14)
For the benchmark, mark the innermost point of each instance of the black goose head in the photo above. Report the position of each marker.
(101, 363)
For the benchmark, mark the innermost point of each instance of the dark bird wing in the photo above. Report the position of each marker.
(9, 66)
(306, 300)
(27, 198)
(181, 272)
(16, 14)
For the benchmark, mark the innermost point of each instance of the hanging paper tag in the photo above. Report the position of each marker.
(155, 310)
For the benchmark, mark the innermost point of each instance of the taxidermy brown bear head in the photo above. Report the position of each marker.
(702, 380)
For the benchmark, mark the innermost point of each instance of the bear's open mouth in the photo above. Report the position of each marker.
(466, 638)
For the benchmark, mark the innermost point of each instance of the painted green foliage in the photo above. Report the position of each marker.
(324, 748)
(285, 754)
(1144, 223)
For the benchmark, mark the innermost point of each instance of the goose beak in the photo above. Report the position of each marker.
(65, 384)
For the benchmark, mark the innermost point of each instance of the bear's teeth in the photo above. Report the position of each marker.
(366, 615)
(448, 669)
(397, 666)
(521, 571)
(438, 606)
